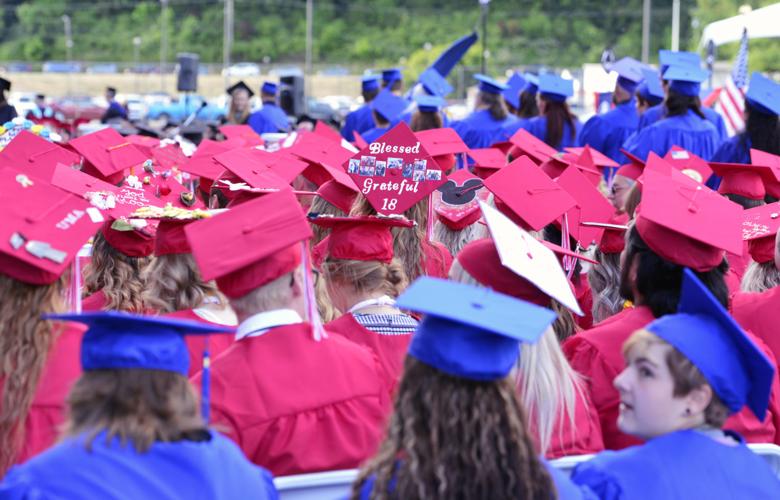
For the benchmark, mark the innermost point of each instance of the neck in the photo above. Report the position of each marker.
(365, 303)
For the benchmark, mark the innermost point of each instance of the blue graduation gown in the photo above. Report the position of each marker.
(211, 469)
(510, 129)
(658, 112)
(537, 126)
(480, 130)
(734, 150)
(680, 465)
(687, 131)
(269, 118)
(358, 121)
(609, 131)
(374, 133)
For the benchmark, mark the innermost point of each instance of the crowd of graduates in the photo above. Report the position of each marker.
(447, 306)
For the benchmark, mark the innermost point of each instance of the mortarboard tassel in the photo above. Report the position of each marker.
(205, 381)
(568, 262)
(310, 296)
(431, 218)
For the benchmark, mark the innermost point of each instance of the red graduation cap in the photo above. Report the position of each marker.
(487, 161)
(169, 156)
(658, 165)
(144, 143)
(772, 162)
(759, 227)
(171, 238)
(317, 149)
(365, 238)
(443, 144)
(251, 165)
(324, 130)
(591, 206)
(108, 155)
(742, 179)
(686, 223)
(203, 164)
(250, 245)
(241, 134)
(458, 203)
(129, 238)
(395, 172)
(338, 193)
(688, 163)
(614, 238)
(633, 169)
(526, 143)
(527, 195)
(35, 155)
(42, 228)
(597, 158)
(359, 142)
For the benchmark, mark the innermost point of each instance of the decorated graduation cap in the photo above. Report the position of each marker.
(633, 169)
(434, 83)
(555, 88)
(668, 58)
(528, 144)
(457, 205)
(42, 227)
(489, 85)
(764, 94)
(629, 72)
(269, 88)
(470, 332)
(240, 85)
(390, 75)
(366, 238)
(107, 154)
(251, 244)
(704, 332)
(487, 161)
(591, 206)
(443, 144)
(395, 172)
(527, 195)
(429, 103)
(688, 163)
(685, 80)
(686, 223)
(515, 85)
(35, 155)
(131, 237)
(759, 228)
(388, 105)
(369, 83)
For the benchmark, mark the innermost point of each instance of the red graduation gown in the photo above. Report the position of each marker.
(196, 344)
(584, 296)
(295, 405)
(739, 263)
(759, 313)
(47, 413)
(597, 355)
(94, 302)
(582, 439)
(390, 350)
(437, 259)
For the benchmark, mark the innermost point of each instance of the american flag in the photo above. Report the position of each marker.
(731, 100)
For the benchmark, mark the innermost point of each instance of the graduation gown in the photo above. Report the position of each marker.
(196, 344)
(480, 129)
(681, 465)
(7, 112)
(94, 302)
(581, 439)
(584, 296)
(358, 121)
(688, 131)
(269, 118)
(537, 126)
(759, 313)
(438, 259)
(390, 350)
(295, 405)
(47, 413)
(738, 264)
(607, 132)
(734, 150)
(597, 355)
(658, 112)
(212, 469)
(374, 133)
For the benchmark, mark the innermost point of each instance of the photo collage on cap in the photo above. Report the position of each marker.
(416, 170)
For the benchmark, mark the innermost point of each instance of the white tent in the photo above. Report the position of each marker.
(760, 23)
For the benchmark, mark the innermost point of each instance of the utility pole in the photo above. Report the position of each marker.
(309, 46)
(227, 42)
(675, 25)
(68, 48)
(484, 13)
(163, 41)
(136, 60)
(646, 7)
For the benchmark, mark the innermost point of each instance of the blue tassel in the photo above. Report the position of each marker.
(205, 382)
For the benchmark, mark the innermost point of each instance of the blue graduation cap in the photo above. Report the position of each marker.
(434, 83)
(532, 83)
(389, 105)
(629, 72)
(705, 333)
(555, 88)
(429, 103)
(516, 84)
(764, 94)
(471, 332)
(390, 75)
(369, 83)
(269, 88)
(668, 58)
(686, 80)
(489, 85)
(650, 89)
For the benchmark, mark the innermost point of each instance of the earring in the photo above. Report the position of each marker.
(687, 411)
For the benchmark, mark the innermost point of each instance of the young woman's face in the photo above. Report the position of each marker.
(648, 407)
(621, 186)
(240, 99)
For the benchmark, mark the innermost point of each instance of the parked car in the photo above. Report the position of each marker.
(320, 110)
(242, 69)
(180, 108)
(82, 106)
(135, 105)
(17, 67)
(61, 67)
(103, 68)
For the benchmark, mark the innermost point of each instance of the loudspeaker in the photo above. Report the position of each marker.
(291, 95)
(187, 79)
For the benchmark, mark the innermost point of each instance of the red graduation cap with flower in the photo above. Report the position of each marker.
(395, 171)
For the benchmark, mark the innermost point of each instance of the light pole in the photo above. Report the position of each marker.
(227, 40)
(483, 14)
(136, 59)
(163, 41)
(646, 12)
(68, 47)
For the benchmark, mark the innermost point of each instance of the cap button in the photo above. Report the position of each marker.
(774, 215)
(246, 230)
(477, 305)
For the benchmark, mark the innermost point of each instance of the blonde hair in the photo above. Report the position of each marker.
(118, 276)
(548, 385)
(321, 206)
(760, 277)
(324, 305)
(232, 111)
(174, 284)
(685, 375)
(25, 343)
(366, 276)
(454, 239)
(604, 280)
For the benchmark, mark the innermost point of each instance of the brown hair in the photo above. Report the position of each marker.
(604, 280)
(458, 438)
(685, 375)
(423, 120)
(25, 343)
(321, 206)
(117, 275)
(233, 115)
(557, 114)
(493, 103)
(367, 276)
(139, 406)
(173, 283)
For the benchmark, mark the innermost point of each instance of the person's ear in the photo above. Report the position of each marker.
(296, 283)
(698, 399)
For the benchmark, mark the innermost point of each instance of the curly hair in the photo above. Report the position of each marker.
(25, 343)
(760, 277)
(320, 206)
(139, 406)
(117, 275)
(367, 276)
(451, 437)
(173, 283)
(604, 280)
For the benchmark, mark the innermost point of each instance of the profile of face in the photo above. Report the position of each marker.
(540, 103)
(240, 100)
(648, 407)
(618, 193)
